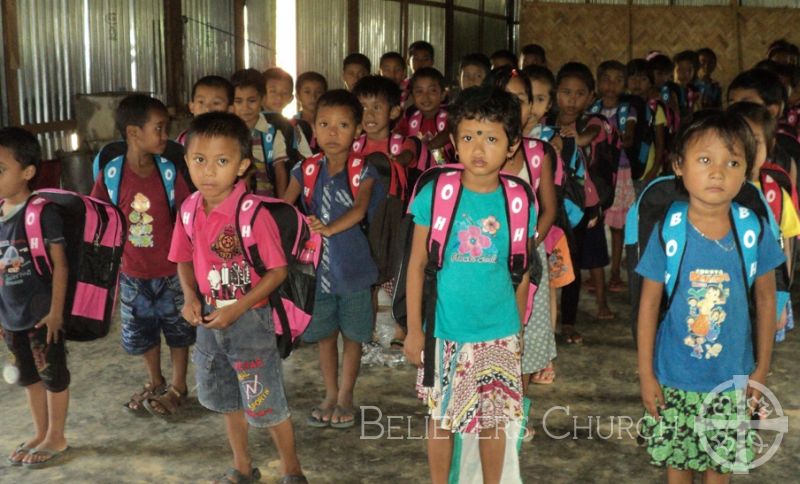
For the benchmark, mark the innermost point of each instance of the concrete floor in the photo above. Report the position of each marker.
(596, 381)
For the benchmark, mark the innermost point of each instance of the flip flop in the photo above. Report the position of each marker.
(52, 457)
(20, 451)
(293, 480)
(397, 343)
(545, 376)
(232, 476)
(318, 421)
(342, 412)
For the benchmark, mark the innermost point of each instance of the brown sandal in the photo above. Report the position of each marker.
(137, 399)
(169, 400)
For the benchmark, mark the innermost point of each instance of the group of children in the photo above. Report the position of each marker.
(534, 163)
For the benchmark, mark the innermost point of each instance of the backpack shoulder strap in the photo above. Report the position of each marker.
(534, 151)
(747, 230)
(623, 113)
(112, 177)
(267, 143)
(188, 211)
(518, 203)
(246, 211)
(415, 123)
(441, 120)
(396, 144)
(673, 240)
(33, 231)
(447, 190)
(772, 193)
(359, 144)
(310, 168)
(355, 170)
(168, 173)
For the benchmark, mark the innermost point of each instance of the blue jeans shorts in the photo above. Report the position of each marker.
(238, 368)
(349, 313)
(149, 307)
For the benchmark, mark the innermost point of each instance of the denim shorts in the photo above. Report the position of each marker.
(238, 368)
(350, 314)
(149, 307)
(38, 361)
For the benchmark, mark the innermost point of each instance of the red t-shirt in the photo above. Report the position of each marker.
(216, 251)
(144, 203)
(382, 146)
(427, 129)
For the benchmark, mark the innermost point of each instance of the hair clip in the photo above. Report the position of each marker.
(514, 73)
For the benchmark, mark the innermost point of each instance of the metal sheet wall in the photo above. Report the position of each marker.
(208, 44)
(466, 41)
(260, 33)
(379, 30)
(427, 23)
(3, 88)
(322, 38)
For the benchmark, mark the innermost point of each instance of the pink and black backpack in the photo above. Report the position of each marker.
(447, 191)
(292, 304)
(94, 234)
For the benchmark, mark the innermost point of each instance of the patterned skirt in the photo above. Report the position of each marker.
(540, 342)
(477, 386)
(624, 196)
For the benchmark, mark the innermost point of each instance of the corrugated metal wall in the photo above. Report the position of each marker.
(322, 38)
(260, 33)
(209, 43)
(3, 88)
(427, 23)
(380, 29)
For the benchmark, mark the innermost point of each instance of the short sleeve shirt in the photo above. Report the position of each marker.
(264, 131)
(24, 295)
(476, 299)
(215, 249)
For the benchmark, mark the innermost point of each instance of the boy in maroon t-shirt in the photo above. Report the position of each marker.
(427, 119)
(149, 189)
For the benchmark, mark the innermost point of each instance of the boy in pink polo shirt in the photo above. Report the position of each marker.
(237, 363)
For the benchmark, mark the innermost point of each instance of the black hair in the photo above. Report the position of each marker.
(427, 72)
(758, 115)
(249, 78)
(640, 67)
(310, 76)
(542, 74)
(421, 45)
(612, 65)
(766, 83)
(221, 125)
(24, 146)
(730, 128)
(487, 103)
(359, 59)
(576, 70)
(787, 71)
(503, 75)
(535, 49)
(706, 51)
(378, 86)
(689, 56)
(661, 63)
(342, 98)
(214, 82)
(476, 59)
(782, 46)
(393, 56)
(504, 54)
(277, 74)
(135, 110)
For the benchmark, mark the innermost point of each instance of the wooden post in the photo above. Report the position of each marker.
(12, 62)
(239, 35)
(353, 27)
(630, 30)
(173, 47)
(738, 30)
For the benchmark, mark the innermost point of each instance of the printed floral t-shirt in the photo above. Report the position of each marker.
(476, 299)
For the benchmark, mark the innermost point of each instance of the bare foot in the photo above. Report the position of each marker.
(605, 314)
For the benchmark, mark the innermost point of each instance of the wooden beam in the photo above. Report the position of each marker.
(737, 24)
(239, 35)
(12, 61)
(353, 27)
(38, 128)
(173, 47)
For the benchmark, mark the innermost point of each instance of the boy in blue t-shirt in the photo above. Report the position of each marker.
(31, 308)
(343, 300)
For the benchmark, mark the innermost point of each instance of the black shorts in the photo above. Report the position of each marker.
(38, 361)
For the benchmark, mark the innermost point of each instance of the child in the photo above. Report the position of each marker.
(473, 70)
(354, 67)
(640, 83)
(783, 52)
(278, 90)
(393, 66)
(704, 338)
(611, 81)
(209, 93)
(484, 394)
(428, 119)
(540, 345)
(710, 90)
(574, 92)
(533, 55)
(665, 89)
(278, 86)
(503, 57)
(235, 332)
(149, 289)
(343, 299)
(685, 76)
(271, 175)
(31, 309)
(310, 86)
(543, 90)
(420, 55)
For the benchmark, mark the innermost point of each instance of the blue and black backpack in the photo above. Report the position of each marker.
(643, 135)
(571, 191)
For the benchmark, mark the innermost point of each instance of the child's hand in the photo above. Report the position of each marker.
(753, 394)
(318, 227)
(54, 323)
(192, 311)
(223, 317)
(413, 347)
(652, 396)
(568, 132)
(592, 222)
